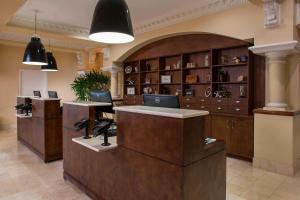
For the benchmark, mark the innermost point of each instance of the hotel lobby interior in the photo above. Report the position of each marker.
(150, 100)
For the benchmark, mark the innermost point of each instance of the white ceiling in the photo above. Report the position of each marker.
(74, 17)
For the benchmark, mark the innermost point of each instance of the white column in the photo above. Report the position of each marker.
(277, 91)
(276, 76)
(114, 80)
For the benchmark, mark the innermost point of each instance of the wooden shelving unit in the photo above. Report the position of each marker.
(212, 56)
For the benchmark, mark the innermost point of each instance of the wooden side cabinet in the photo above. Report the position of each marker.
(237, 132)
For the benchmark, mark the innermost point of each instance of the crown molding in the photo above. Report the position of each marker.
(178, 16)
(212, 6)
(26, 22)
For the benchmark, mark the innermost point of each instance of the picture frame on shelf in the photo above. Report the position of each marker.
(166, 79)
(131, 91)
(168, 67)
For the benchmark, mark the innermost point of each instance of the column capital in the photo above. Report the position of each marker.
(276, 49)
(112, 69)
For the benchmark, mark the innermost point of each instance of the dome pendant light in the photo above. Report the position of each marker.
(111, 23)
(35, 53)
(51, 66)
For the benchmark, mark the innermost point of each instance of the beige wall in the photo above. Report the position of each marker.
(11, 62)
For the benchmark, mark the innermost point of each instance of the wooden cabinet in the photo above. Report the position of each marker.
(237, 132)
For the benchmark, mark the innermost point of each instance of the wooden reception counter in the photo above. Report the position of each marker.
(41, 131)
(159, 154)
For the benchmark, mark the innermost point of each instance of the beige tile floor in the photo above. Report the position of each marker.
(23, 176)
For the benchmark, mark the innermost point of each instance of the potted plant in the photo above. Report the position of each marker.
(93, 80)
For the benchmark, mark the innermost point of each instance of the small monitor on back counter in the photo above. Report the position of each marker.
(52, 94)
(167, 101)
(37, 94)
(100, 96)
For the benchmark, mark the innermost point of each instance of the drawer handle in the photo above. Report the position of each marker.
(187, 106)
(188, 99)
(219, 101)
(237, 102)
(202, 100)
(237, 109)
(202, 107)
(219, 108)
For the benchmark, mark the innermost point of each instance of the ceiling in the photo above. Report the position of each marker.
(72, 18)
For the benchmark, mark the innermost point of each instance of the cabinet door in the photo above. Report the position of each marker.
(241, 137)
(221, 127)
(207, 127)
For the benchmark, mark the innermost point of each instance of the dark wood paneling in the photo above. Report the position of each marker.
(42, 132)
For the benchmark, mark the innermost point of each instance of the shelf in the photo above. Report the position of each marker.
(232, 65)
(170, 70)
(149, 83)
(196, 68)
(133, 85)
(170, 83)
(144, 72)
(197, 83)
(233, 82)
(132, 73)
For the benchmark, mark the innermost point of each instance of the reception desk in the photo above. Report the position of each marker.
(158, 154)
(41, 131)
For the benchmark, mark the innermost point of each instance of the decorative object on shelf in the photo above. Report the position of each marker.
(191, 78)
(208, 92)
(147, 80)
(165, 78)
(244, 59)
(190, 65)
(165, 90)
(222, 76)
(129, 81)
(111, 23)
(224, 60)
(177, 65)
(242, 78)
(128, 69)
(148, 67)
(208, 78)
(136, 69)
(130, 91)
(206, 60)
(35, 53)
(93, 80)
(243, 91)
(52, 66)
(168, 67)
(147, 90)
(236, 60)
(178, 92)
(222, 93)
(189, 92)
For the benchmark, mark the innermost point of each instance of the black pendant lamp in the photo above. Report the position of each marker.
(111, 23)
(51, 62)
(35, 53)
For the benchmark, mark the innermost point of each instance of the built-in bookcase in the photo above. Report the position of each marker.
(207, 67)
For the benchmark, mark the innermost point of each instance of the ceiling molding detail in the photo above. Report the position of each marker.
(26, 22)
(176, 17)
(188, 14)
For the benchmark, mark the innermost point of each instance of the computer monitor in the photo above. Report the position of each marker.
(100, 96)
(167, 101)
(52, 94)
(37, 94)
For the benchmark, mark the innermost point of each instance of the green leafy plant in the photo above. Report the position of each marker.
(92, 80)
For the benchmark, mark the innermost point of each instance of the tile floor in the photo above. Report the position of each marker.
(23, 176)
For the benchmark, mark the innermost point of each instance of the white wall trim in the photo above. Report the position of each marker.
(290, 46)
